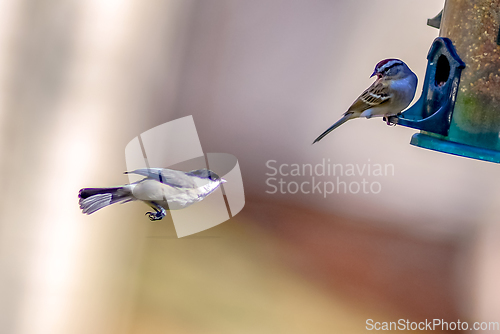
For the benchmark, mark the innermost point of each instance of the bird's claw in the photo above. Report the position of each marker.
(158, 215)
(388, 121)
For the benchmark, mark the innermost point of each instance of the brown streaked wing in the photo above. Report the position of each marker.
(374, 95)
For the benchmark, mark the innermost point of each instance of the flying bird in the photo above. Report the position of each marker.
(391, 93)
(161, 188)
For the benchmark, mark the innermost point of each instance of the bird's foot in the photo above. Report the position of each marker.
(157, 215)
(388, 121)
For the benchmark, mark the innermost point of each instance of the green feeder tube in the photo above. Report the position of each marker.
(467, 121)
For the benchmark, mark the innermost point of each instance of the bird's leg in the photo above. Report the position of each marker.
(387, 119)
(159, 213)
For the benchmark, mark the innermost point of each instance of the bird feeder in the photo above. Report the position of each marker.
(459, 109)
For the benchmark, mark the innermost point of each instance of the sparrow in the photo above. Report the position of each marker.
(391, 93)
(161, 188)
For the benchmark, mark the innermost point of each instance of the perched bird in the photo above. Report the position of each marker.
(392, 92)
(161, 188)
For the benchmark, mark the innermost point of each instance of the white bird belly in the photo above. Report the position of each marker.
(155, 191)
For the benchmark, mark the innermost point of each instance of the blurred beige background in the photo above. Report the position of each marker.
(80, 79)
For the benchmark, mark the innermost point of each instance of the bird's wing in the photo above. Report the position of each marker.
(373, 96)
(174, 178)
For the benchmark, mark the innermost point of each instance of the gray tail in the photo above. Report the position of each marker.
(93, 199)
(341, 121)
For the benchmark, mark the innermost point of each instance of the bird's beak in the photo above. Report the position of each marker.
(374, 73)
(222, 180)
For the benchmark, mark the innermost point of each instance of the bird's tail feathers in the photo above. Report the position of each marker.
(345, 118)
(93, 199)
